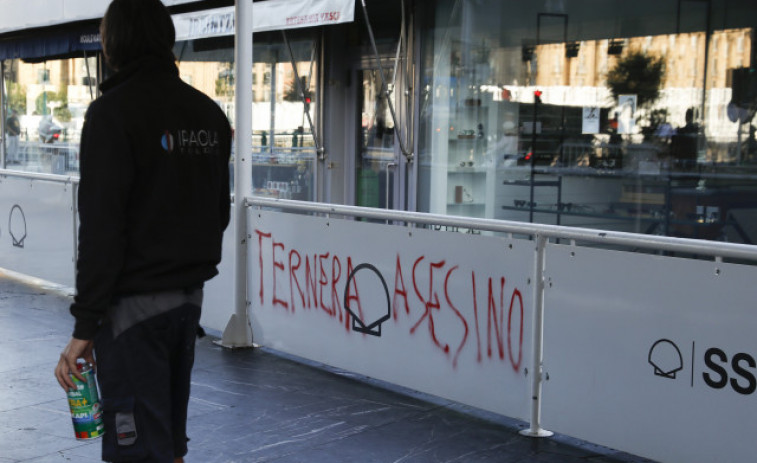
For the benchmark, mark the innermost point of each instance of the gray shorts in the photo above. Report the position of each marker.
(144, 362)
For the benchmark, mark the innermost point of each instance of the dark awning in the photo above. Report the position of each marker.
(49, 45)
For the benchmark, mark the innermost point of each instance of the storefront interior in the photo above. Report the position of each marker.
(628, 116)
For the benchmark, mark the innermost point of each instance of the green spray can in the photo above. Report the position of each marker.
(84, 403)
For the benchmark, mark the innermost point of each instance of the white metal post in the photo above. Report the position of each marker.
(238, 332)
(535, 429)
(75, 213)
(3, 115)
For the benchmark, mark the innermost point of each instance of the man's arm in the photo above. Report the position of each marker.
(107, 171)
(106, 176)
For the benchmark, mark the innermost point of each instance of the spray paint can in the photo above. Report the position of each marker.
(84, 403)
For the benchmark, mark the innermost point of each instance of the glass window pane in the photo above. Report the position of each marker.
(614, 115)
(283, 150)
(45, 105)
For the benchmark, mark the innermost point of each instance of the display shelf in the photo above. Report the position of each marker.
(546, 183)
(475, 123)
(466, 204)
(468, 170)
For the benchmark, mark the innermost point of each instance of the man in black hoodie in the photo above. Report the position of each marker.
(153, 205)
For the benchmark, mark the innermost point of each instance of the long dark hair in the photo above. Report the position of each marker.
(132, 29)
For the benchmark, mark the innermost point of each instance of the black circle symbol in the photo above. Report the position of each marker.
(666, 358)
(17, 226)
(374, 329)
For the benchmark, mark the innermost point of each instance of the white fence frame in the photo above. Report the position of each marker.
(540, 235)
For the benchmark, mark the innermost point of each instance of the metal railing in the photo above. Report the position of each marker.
(715, 249)
(72, 179)
(541, 234)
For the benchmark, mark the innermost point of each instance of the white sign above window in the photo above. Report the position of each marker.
(266, 16)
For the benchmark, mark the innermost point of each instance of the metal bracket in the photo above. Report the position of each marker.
(301, 91)
(384, 86)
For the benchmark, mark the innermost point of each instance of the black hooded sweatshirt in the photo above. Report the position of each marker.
(154, 189)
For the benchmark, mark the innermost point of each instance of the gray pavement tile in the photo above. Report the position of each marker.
(51, 418)
(78, 455)
(425, 439)
(38, 355)
(88, 451)
(25, 445)
(29, 387)
(256, 405)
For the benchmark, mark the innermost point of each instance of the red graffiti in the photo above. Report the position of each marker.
(319, 283)
(457, 312)
(261, 235)
(491, 322)
(310, 286)
(323, 282)
(398, 282)
(336, 274)
(431, 303)
(475, 314)
(497, 323)
(277, 265)
(293, 278)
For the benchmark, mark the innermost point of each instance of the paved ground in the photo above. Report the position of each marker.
(255, 406)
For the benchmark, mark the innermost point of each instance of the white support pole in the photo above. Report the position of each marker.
(3, 115)
(535, 429)
(75, 220)
(238, 332)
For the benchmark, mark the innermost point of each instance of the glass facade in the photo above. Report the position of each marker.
(284, 149)
(631, 116)
(375, 151)
(44, 105)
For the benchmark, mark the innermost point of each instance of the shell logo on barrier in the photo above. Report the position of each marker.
(666, 358)
(719, 368)
(358, 324)
(17, 226)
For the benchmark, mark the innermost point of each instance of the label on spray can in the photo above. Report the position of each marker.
(84, 403)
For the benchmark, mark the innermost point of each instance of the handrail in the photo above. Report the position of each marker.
(40, 176)
(715, 249)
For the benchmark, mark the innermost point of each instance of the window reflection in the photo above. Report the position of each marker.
(375, 154)
(45, 104)
(597, 114)
(283, 150)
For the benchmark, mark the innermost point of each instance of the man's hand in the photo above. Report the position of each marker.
(76, 349)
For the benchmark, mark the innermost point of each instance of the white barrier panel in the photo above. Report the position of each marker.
(218, 300)
(448, 314)
(37, 229)
(37, 239)
(651, 355)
